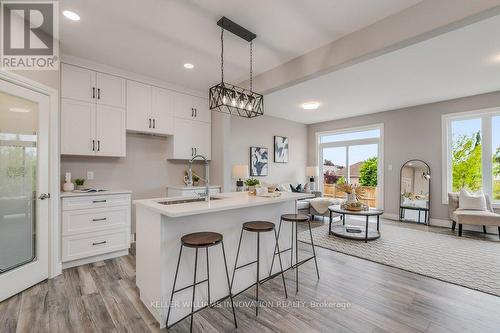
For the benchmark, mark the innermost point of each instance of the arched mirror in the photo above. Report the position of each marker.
(415, 185)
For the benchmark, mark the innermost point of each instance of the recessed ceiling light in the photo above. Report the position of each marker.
(310, 105)
(188, 66)
(71, 15)
(19, 110)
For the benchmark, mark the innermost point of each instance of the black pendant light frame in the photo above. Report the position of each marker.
(228, 98)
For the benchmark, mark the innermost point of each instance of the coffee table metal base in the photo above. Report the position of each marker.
(340, 231)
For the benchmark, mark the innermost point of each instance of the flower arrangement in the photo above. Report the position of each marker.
(354, 191)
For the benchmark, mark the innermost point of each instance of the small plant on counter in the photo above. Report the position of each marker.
(79, 181)
(252, 182)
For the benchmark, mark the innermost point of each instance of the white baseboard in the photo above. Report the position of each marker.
(447, 224)
(92, 259)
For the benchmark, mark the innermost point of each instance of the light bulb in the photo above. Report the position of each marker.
(224, 100)
(249, 107)
(233, 102)
(242, 105)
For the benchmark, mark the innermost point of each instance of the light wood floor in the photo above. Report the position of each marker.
(355, 295)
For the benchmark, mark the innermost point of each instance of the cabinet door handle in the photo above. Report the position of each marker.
(98, 93)
(101, 219)
(98, 201)
(93, 92)
(192, 112)
(195, 112)
(99, 243)
(195, 151)
(149, 122)
(93, 145)
(98, 145)
(154, 123)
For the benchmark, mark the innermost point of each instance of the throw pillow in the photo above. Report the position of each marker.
(296, 189)
(471, 201)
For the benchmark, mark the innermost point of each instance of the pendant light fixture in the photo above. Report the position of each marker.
(228, 98)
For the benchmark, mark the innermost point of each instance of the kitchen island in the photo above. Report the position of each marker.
(160, 224)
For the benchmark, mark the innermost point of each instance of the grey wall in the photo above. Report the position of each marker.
(409, 133)
(260, 132)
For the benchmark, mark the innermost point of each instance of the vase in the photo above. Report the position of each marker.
(351, 197)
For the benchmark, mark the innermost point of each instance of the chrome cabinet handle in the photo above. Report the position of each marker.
(44, 196)
(98, 243)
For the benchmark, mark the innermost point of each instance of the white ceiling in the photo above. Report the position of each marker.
(460, 63)
(156, 37)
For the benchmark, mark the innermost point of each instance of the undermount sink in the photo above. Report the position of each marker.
(187, 200)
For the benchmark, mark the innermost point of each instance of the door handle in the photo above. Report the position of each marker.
(93, 92)
(98, 93)
(44, 196)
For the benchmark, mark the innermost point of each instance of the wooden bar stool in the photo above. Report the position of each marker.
(200, 240)
(258, 227)
(295, 219)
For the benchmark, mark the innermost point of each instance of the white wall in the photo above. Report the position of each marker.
(260, 132)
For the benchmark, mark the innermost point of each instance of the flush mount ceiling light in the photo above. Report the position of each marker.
(19, 110)
(188, 66)
(71, 15)
(228, 98)
(310, 105)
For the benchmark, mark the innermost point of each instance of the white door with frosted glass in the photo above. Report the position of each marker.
(24, 198)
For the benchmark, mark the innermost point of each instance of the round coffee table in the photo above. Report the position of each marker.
(355, 233)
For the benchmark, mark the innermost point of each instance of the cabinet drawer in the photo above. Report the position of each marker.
(91, 244)
(90, 220)
(95, 201)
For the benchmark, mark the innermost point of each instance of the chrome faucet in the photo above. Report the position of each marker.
(207, 174)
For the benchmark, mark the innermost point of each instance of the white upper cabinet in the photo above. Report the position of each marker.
(78, 83)
(110, 90)
(149, 109)
(162, 111)
(190, 138)
(191, 107)
(77, 127)
(90, 86)
(110, 131)
(138, 107)
(92, 113)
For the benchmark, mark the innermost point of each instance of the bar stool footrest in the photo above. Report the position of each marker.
(190, 286)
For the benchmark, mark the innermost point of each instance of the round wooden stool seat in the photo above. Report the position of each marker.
(258, 226)
(201, 239)
(295, 217)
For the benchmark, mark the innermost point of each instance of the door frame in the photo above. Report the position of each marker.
(54, 259)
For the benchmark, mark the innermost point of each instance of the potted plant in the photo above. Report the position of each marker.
(79, 183)
(251, 183)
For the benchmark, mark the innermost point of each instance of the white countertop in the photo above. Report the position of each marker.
(184, 187)
(81, 194)
(231, 200)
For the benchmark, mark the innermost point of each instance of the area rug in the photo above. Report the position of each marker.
(466, 262)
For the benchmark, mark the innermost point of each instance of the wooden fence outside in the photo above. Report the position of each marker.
(369, 197)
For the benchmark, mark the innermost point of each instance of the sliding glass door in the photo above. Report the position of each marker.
(351, 157)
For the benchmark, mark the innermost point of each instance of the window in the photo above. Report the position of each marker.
(353, 156)
(472, 152)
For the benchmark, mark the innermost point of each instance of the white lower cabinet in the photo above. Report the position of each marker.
(94, 226)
